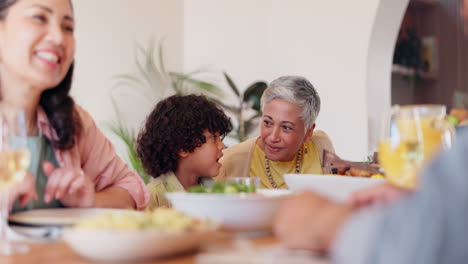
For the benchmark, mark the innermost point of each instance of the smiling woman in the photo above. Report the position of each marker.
(288, 143)
(73, 163)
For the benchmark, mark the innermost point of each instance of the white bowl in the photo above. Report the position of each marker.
(337, 188)
(238, 212)
(131, 246)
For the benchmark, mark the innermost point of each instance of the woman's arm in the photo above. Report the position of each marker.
(114, 197)
(74, 188)
(100, 161)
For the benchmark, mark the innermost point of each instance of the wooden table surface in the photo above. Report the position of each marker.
(59, 252)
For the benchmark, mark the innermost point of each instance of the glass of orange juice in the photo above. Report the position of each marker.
(411, 136)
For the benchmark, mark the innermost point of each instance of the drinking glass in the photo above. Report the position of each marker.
(411, 136)
(14, 164)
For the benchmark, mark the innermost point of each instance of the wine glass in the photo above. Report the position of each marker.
(14, 164)
(411, 136)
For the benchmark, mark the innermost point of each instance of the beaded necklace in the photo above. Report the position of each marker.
(297, 168)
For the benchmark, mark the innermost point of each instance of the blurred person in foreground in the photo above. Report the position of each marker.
(425, 226)
(288, 141)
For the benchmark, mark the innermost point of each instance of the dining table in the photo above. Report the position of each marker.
(59, 252)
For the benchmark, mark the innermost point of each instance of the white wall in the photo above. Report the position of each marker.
(325, 41)
(227, 35)
(106, 33)
(343, 47)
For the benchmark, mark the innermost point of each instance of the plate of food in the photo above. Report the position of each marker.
(129, 237)
(60, 216)
(235, 206)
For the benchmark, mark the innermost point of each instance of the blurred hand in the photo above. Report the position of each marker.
(385, 193)
(68, 185)
(25, 191)
(309, 221)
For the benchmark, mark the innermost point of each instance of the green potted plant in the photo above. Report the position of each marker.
(153, 82)
(247, 110)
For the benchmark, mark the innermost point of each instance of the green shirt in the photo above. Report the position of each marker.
(167, 182)
(41, 150)
(164, 183)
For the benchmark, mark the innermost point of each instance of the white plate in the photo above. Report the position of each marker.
(60, 216)
(338, 188)
(132, 246)
(239, 212)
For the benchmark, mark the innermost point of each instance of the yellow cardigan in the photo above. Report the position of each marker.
(236, 159)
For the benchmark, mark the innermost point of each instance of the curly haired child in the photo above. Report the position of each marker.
(180, 143)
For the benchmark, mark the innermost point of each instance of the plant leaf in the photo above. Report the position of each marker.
(251, 123)
(157, 79)
(254, 93)
(232, 109)
(128, 138)
(142, 70)
(198, 84)
(161, 58)
(231, 84)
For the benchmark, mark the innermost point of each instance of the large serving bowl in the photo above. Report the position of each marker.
(136, 236)
(237, 212)
(131, 246)
(338, 188)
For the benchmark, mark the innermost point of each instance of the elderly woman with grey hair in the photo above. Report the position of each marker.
(287, 142)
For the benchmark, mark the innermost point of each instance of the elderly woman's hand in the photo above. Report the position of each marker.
(309, 221)
(384, 193)
(69, 185)
(25, 191)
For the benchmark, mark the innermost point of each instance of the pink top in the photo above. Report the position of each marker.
(95, 155)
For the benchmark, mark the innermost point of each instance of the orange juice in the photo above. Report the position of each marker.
(411, 136)
(429, 130)
(401, 162)
(418, 141)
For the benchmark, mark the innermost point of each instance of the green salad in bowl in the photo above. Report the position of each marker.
(231, 185)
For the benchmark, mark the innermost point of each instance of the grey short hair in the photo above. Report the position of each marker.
(298, 91)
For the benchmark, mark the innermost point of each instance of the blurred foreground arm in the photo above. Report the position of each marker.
(309, 221)
(385, 194)
(427, 226)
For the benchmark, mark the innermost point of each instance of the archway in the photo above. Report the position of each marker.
(384, 34)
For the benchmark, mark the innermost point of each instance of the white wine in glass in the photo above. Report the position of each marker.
(15, 159)
(14, 165)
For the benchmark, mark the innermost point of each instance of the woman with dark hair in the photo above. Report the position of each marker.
(73, 163)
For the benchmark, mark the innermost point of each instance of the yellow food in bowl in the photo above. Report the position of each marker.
(165, 219)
